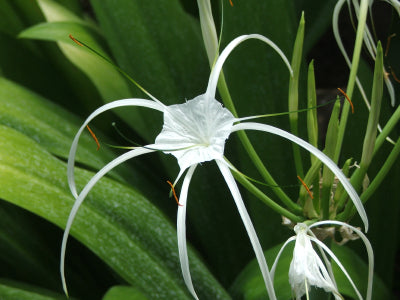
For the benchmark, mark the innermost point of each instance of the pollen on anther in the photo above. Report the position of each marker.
(173, 192)
(75, 40)
(94, 137)
(306, 187)
(348, 99)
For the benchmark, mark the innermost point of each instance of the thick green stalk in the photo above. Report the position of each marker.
(294, 93)
(353, 75)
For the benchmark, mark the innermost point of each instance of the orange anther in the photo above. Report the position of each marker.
(305, 186)
(394, 75)
(388, 43)
(348, 99)
(75, 40)
(173, 192)
(94, 137)
(230, 1)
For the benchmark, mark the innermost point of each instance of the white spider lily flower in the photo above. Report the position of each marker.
(307, 269)
(196, 132)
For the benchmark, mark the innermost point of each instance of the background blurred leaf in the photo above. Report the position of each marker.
(124, 292)
(11, 290)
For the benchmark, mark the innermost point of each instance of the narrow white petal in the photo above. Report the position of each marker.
(368, 247)
(291, 239)
(213, 81)
(321, 156)
(82, 196)
(181, 232)
(331, 254)
(230, 181)
(108, 106)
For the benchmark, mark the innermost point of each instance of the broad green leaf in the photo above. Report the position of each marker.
(113, 223)
(164, 52)
(47, 123)
(109, 82)
(11, 290)
(249, 285)
(125, 293)
(358, 270)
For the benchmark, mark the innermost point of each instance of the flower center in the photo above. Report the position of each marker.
(197, 129)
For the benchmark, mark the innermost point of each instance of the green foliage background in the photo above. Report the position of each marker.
(125, 240)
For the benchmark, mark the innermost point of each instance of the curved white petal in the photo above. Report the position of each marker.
(181, 232)
(126, 102)
(230, 181)
(368, 247)
(213, 81)
(321, 156)
(331, 254)
(82, 196)
(291, 239)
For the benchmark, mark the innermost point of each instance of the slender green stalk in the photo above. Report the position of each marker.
(327, 175)
(353, 75)
(312, 121)
(372, 125)
(227, 100)
(394, 119)
(384, 170)
(294, 93)
(211, 44)
(265, 199)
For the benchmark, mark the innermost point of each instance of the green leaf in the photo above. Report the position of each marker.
(11, 290)
(167, 60)
(47, 123)
(125, 293)
(116, 222)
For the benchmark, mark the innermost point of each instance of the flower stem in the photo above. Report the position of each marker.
(264, 198)
(227, 100)
(353, 75)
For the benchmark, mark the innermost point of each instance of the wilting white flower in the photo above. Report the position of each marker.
(307, 269)
(195, 132)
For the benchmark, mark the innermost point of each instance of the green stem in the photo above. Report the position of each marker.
(353, 75)
(294, 93)
(226, 98)
(350, 210)
(265, 199)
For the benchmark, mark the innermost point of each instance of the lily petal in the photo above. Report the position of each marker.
(331, 254)
(125, 102)
(230, 181)
(181, 232)
(213, 81)
(79, 199)
(368, 247)
(291, 239)
(321, 156)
